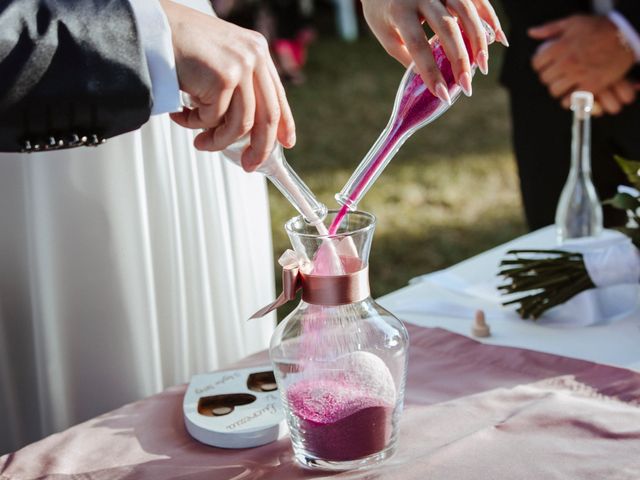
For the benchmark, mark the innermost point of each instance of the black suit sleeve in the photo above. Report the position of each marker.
(630, 9)
(72, 72)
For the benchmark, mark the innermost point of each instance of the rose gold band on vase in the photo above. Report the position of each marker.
(335, 289)
(327, 290)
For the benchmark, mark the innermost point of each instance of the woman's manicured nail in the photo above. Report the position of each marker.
(291, 140)
(465, 83)
(443, 93)
(482, 59)
(502, 38)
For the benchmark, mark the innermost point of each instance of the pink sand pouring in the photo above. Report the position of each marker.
(415, 106)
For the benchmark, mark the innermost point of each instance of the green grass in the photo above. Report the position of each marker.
(450, 193)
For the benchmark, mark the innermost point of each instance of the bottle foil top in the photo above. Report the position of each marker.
(582, 104)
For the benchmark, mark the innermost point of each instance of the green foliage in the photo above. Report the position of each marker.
(627, 202)
(623, 201)
(631, 168)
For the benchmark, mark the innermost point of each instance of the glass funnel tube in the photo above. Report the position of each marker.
(414, 107)
(280, 173)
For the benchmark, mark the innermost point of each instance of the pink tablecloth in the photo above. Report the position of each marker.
(473, 411)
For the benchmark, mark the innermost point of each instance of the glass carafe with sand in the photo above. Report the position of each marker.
(340, 358)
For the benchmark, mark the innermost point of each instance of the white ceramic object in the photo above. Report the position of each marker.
(234, 408)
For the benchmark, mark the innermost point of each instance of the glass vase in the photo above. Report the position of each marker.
(340, 359)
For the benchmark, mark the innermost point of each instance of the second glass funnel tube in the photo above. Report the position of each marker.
(280, 173)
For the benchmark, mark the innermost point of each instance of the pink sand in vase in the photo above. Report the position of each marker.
(341, 368)
(340, 422)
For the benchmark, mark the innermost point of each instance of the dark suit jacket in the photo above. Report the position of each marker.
(522, 15)
(72, 72)
(542, 128)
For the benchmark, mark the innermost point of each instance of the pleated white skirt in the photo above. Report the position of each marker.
(124, 269)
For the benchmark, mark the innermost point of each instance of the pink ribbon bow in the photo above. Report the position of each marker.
(291, 283)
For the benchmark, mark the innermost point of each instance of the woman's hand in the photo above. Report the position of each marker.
(228, 72)
(397, 24)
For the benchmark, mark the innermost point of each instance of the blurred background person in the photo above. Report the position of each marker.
(293, 34)
(557, 48)
(287, 25)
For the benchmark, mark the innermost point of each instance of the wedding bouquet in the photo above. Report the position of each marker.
(539, 280)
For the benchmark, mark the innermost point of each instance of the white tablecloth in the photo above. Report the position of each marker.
(449, 299)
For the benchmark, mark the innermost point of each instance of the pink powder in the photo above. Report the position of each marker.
(335, 225)
(327, 261)
(340, 422)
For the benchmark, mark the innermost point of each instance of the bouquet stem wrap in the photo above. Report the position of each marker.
(610, 259)
(606, 267)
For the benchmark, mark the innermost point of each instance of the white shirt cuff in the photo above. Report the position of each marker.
(155, 35)
(627, 31)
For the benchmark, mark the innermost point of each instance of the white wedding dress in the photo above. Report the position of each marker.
(123, 270)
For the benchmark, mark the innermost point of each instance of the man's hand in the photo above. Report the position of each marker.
(581, 52)
(229, 74)
(612, 99)
(397, 24)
